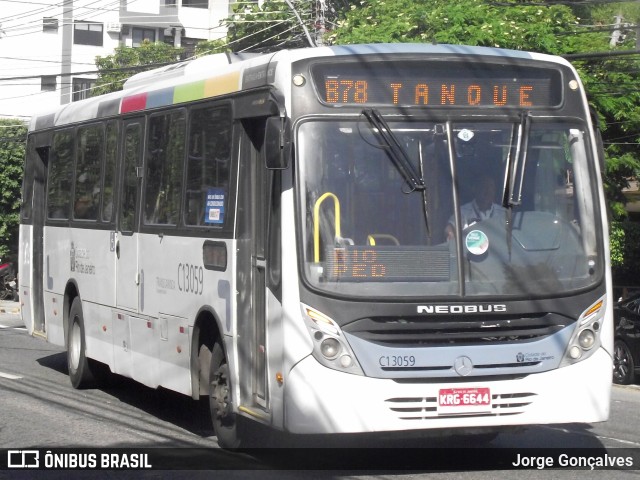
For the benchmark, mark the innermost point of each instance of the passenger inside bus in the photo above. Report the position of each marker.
(86, 204)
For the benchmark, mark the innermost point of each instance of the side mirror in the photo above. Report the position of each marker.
(277, 143)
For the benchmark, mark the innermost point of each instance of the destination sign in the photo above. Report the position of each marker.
(437, 84)
(354, 263)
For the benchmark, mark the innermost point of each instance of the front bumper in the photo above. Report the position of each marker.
(322, 400)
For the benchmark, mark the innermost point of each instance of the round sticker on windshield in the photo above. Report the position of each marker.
(465, 135)
(477, 242)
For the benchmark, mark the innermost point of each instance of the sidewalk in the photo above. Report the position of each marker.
(8, 306)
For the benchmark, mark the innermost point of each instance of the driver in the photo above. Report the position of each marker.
(480, 208)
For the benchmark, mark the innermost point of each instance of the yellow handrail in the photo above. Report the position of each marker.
(316, 224)
(371, 239)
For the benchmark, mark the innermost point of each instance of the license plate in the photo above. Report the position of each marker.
(464, 400)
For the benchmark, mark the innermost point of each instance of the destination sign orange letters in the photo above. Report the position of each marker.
(464, 94)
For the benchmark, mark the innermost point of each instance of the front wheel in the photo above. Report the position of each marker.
(225, 421)
(623, 365)
(82, 370)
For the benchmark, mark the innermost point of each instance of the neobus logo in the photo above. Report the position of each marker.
(440, 309)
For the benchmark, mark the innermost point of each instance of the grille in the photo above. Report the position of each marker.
(422, 408)
(430, 331)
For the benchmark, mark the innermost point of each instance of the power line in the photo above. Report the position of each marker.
(587, 56)
(89, 72)
(558, 2)
(38, 21)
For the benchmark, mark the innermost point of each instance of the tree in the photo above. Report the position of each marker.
(613, 87)
(469, 22)
(12, 150)
(114, 69)
(270, 26)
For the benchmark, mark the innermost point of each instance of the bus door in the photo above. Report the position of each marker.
(126, 241)
(253, 210)
(35, 189)
(259, 213)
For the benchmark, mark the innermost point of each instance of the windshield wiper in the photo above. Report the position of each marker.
(401, 160)
(516, 163)
(514, 175)
(396, 151)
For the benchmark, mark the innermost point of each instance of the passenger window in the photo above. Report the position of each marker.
(89, 148)
(60, 176)
(164, 168)
(132, 150)
(109, 182)
(208, 167)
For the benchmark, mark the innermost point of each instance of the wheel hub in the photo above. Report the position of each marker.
(220, 394)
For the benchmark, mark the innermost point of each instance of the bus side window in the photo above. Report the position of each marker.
(109, 174)
(208, 166)
(89, 148)
(164, 168)
(60, 176)
(131, 154)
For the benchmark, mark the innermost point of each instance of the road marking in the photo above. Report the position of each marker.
(601, 437)
(620, 440)
(14, 328)
(8, 376)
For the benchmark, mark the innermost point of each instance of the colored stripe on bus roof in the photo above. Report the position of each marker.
(160, 98)
(189, 92)
(133, 103)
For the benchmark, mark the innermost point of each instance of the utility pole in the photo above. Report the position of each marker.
(321, 7)
(616, 34)
(67, 49)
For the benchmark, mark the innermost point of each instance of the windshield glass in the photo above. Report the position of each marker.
(369, 231)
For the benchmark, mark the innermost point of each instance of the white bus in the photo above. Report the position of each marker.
(301, 237)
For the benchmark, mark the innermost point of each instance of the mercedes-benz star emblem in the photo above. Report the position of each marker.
(463, 366)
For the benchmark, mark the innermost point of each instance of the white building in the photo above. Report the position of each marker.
(48, 47)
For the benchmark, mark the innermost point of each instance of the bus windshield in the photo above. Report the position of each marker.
(495, 214)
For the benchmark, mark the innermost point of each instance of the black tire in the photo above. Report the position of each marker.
(83, 372)
(623, 364)
(225, 421)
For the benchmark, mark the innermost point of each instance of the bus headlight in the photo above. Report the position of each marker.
(587, 339)
(586, 335)
(330, 348)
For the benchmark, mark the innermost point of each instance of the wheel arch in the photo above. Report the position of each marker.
(71, 291)
(207, 330)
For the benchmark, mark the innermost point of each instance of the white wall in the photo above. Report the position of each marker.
(28, 51)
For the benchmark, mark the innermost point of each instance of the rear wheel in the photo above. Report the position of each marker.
(623, 366)
(225, 421)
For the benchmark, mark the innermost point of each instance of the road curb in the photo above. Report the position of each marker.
(633, 386)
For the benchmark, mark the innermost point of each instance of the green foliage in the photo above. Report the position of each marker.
(613, 88)
(624, 238)
(115, 69)
(270, 26)
(12, 149)
(209, 47)
(469, 22)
